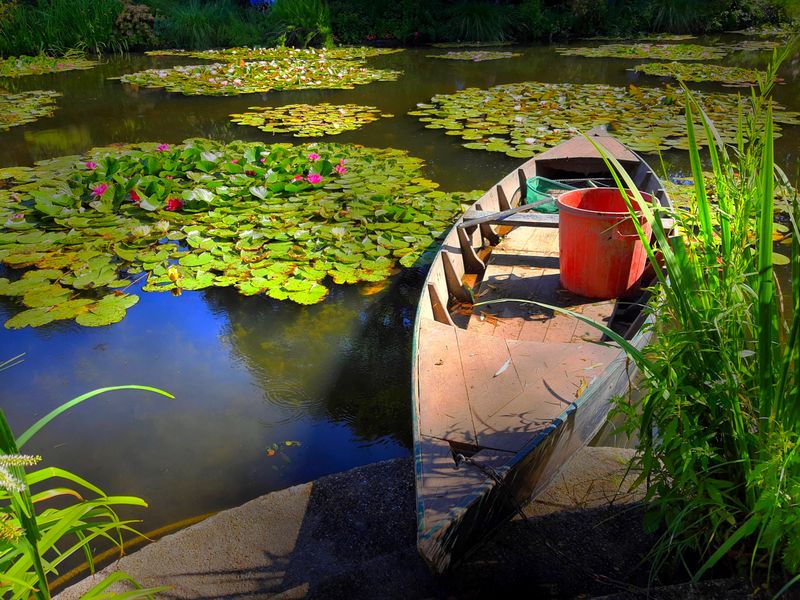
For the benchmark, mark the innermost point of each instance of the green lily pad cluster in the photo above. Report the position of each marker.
(357, 53)
(732, 76)
(25, 107)
(523, 119)
(17, 66)
(277, 220)
(471, 44)
(309, 120)
(650, 51)
(475, 55)
(753, 45)
(785, 30)
(307, 71)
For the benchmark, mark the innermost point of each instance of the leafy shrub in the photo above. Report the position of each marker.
(134, 26)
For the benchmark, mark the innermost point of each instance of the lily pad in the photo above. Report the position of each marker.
(475, 55)
(25, 107)
(732, 76)
(651, 51)
(522, 119)
(358, 53)
(17, 66)
(291, 70)
(309, 120)
(280, 220)
(753, 45)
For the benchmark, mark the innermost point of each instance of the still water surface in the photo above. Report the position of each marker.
(250, 372)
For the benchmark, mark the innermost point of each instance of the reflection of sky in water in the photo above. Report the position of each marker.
(246, 373)
(250, 372)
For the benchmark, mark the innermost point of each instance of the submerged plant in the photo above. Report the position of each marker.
(275, 220)
(34, 541)
(309, 120)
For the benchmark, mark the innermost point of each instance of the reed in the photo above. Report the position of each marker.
(719, 421)
(35, 541)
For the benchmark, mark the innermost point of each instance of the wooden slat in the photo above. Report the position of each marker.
(552, 376)
(443, 409)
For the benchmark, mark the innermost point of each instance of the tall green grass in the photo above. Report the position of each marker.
(34, 541)
(55, 26)
(303, 22)
(719, 421)
(201, 24)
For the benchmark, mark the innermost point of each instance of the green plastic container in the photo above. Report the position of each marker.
(541, 188)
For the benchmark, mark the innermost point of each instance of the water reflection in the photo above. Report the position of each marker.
(250, 372)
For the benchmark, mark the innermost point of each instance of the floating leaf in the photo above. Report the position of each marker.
(308, 120)
(17, 66)
(700, 72)
(651, 51)
(276, 238)
(522, 118)
(279, 52)
(33, 317)
(286, 69)
(475, 55)
(25, 107)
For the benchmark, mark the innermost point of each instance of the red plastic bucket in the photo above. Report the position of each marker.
(601, 256)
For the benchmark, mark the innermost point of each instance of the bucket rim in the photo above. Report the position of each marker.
(582, 212)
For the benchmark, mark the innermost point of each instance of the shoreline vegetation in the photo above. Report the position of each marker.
(54, 27)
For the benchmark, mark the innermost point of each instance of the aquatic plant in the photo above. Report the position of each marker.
(35, 542)
(25, 107)
(495, 44)
(356, 53)
(753, 45)
(475, 55)
(17, 66)
(304, 22)
(651, 51)
(309, 120)
(522, 119)
(718, 423)
(311, 71)
(731, 76)
(275, 220)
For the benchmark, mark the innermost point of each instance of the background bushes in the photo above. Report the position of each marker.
(55, 26)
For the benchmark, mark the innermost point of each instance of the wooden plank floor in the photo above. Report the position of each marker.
(525, 266)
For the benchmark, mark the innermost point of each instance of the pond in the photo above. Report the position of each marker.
(267, 393)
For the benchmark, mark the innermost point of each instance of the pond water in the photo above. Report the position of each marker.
(251, 372)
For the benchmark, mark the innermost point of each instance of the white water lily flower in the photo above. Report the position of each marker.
(162, 226)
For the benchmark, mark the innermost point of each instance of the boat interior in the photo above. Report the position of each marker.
(496, 373)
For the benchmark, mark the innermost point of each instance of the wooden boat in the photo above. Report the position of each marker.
(505, 393)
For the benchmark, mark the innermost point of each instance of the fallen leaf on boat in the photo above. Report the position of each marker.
(582, 387)
(502, 369)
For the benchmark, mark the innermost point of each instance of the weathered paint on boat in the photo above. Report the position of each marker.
(493, 417)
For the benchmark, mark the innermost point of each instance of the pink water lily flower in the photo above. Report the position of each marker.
(162, 147)
(174, 204)
(91, 165)
(340, 169)
(314, 178)
(135, 197)
(100, 189)
(298, 178)
(235, 161)
(313, 157)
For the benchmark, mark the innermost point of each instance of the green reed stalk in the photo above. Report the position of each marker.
(34, 543)
(719, 422)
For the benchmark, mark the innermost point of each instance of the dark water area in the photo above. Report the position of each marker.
(248, 373)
